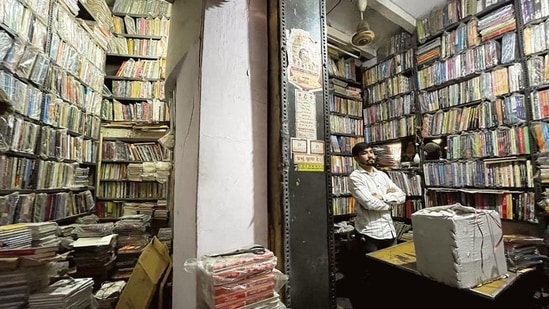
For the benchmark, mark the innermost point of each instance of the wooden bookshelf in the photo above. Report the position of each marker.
(134, 121)
(485, 134)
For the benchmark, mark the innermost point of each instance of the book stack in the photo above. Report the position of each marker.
(16, 284)
(94, 257)
(132, 239)
(15, 236)
(44, 234)
(133, 208)
(161, 211)
(65, 293)
(165, 235)
(521, 251)
(244, 278)
(497, 23)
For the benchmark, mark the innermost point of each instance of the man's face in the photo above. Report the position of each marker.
(367, 157)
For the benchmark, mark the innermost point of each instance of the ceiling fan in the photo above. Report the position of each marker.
(363, 35)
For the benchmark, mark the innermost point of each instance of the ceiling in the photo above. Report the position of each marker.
(385, 17)
(418, 8)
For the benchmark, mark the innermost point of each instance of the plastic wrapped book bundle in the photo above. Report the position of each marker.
(244, 278)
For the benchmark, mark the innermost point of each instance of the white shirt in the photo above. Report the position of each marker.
(373, 216)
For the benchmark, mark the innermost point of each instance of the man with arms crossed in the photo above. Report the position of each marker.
(376, 195)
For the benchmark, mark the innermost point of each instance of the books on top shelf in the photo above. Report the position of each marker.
(344, 68)
(27, 22)
(497, 23)
(100, 12)
(143, 7)
(450, 13)
(397, 44)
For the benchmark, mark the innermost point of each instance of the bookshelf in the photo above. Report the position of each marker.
(390, 119)
(477, 79)
(344, 121)
(345, 129)
(134, 169)
(50, 90)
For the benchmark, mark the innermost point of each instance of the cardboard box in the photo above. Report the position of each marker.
(458, 245)
(151, 267)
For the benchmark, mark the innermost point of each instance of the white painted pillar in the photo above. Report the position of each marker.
(221, 139)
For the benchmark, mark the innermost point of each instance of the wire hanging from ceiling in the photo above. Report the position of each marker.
(338, 2)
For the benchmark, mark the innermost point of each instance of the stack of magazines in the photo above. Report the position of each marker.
(65, 293)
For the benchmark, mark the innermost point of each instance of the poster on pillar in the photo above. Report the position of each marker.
(308, 152)
(304, 61)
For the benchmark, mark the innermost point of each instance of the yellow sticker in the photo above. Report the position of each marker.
(310, 167)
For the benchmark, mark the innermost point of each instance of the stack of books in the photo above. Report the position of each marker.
(16, 284)
(132, 239)
(244, 278)
(44, 234)
(15, 236)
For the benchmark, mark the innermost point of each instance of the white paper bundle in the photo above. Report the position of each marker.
(458, 245)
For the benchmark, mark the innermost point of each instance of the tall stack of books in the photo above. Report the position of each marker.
(133, 236)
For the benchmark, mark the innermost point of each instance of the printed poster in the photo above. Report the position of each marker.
(305, 115)
(304, 61)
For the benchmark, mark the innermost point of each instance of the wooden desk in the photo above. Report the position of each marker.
(403, 258)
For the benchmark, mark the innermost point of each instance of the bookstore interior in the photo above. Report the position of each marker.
(456, 110)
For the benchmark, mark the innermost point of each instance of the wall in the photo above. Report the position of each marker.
(232, 179)
(185, 30)
(187, 114)
(221, 136)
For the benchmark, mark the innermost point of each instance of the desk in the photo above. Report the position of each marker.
(401, 267)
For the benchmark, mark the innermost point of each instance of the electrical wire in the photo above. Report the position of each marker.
(336, 5)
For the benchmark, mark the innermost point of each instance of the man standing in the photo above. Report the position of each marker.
(376, 194)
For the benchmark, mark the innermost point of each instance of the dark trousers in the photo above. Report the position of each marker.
(364, 281)
(368, 244)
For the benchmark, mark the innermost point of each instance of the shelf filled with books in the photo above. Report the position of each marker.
(136, 62)
(474, 102)
(390, 118)
(345, 106)
(135, 168)
(52, 68)
(390, 111)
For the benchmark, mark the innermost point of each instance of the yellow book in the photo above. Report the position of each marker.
(130, 47)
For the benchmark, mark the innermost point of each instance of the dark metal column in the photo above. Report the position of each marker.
(298, 201)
